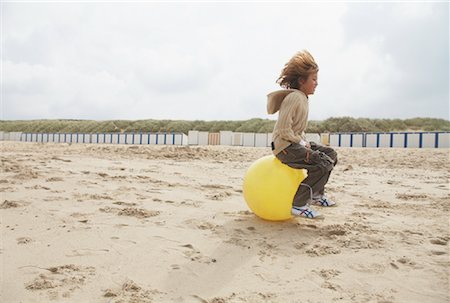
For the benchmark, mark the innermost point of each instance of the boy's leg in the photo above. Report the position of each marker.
(330, 152)
(316, 180)
(297, 156)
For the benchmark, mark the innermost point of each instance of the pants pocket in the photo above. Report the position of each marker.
(319, 158)
(293, 154)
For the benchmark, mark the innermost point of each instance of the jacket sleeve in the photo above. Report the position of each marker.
(303, 136)
(288, 110)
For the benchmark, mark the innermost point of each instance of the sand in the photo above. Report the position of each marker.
(109, 223)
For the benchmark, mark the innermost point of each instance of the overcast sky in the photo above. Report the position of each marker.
(218, 61)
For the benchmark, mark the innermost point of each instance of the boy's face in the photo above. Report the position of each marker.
(309, 85)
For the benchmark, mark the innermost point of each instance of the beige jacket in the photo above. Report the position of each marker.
(293, 108)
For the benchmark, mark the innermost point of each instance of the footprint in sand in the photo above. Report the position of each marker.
(138, 212)
(411, 196)
(24, 240)
(404, 261)
(219, 196)
(55, 179)
(131, 292)
(334, 230)
(199, 224)
(374, 268)
(26, 174)
(125, 203)
(37, 187)
(63, 279)
(60, 159)
(438, 241)
(215, 186)
(175, 266)
(438, 253)
(195, 255)
(11, 204)
(327, 275)
(300, 245)
(8, 189)
(394, 265)
(187, 202)
(321, 250)
(240, 213)
(219, 192)
(442, 241)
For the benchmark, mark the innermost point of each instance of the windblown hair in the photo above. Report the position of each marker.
(300, 66)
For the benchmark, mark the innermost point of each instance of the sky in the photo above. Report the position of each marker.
(184, 60)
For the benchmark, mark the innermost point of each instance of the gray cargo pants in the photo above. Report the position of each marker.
(319, 160)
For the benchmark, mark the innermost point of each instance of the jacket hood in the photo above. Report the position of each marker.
(275, 99)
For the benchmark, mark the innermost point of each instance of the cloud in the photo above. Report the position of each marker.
(407, 58)
(219, 60)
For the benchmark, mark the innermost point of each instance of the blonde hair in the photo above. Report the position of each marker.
(300, 66)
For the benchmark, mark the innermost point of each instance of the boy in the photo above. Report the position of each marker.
(289, 145)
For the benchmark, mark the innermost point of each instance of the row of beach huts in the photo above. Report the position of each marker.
(376, 140)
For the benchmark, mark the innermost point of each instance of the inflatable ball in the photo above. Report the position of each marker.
(269, 188)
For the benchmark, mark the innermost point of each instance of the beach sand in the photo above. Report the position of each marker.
(110, 223)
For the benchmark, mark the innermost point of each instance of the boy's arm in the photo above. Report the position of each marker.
(304, 141)
(288, 109)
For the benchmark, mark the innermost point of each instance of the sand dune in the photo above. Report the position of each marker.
(109, 223)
